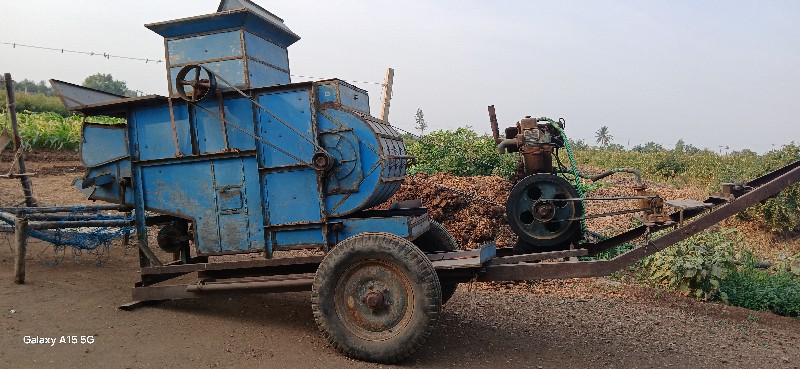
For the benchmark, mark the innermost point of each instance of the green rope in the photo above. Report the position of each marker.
(572, 163)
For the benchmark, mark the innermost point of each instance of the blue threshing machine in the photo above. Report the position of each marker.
(237, 159)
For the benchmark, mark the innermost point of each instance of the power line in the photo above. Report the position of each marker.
(90, 53)
(146, 60)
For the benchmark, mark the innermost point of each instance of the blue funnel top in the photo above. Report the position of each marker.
(242, 42)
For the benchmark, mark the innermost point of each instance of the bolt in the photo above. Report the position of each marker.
(374, 300)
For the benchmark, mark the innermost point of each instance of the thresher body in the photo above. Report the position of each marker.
(239, 168)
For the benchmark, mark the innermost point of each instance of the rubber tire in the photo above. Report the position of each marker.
(438, 239)
(416, 267)
(527, 244)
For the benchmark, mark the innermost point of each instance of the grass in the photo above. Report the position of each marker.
(50, 130)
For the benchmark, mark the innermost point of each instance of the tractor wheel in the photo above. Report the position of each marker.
(437, 239)
(376, 297)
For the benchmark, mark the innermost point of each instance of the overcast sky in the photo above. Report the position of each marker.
(715, 73)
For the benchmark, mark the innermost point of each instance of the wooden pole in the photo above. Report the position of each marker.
(21, 235)
(27, 190)
(387, 94)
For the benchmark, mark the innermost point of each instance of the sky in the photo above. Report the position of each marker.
(723, 75)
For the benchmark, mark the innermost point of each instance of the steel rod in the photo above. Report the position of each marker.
(80, 224)
(68, 209)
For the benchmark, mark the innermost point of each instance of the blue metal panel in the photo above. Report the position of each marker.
(262, 75)
(289, 238)
(293, 108)
(103, 143)
(234, 205)
(229, 19)
(266, 51)
(231, 70)
(395, 225)
(153, 132)
(292, 197)
(353, 97)
(240, 113)
(205, 47)
(109, 191)
(210, 136)
(327, 93)
(191, 190)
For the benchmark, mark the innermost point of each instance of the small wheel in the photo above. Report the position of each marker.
(200, 87)
(437, 239)
(540, 214)
(376, 297)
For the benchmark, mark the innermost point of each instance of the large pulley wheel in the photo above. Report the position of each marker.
(541, 214)
(376, 297)
(437, 239)
(201, 86)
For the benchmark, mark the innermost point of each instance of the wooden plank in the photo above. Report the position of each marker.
(21, 233)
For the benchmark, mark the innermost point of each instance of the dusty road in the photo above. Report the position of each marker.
(573, 324)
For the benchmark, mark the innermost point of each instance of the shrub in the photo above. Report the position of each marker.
(461, 152)
(38, 103)
(695, 266)
(757, 289)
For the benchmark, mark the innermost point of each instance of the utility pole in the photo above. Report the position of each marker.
(12, 113)
(387, 94)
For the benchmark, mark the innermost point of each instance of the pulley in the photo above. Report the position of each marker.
(201, 86)
(541, 213)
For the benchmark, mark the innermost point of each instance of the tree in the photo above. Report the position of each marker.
(421, 125)
(604, 137)
(30, 87)
(107, 83)
(578, 144)
(648, 147)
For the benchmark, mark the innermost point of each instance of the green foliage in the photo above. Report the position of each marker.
(27, 86)
(709, 170)
(579, 144)
(461, 152)
(648, 147)
(695, 266)
(420, 124)
(107, 83)
(758, 289)
(50, 130)
(39, 103)
(603, 136)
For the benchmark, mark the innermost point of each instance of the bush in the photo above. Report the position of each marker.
(695, 266)
(37, 103)
(757, 289)
(461, 152)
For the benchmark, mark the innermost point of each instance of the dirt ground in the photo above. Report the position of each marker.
(555, 324)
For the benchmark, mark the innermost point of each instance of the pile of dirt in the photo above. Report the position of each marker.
(473, 208)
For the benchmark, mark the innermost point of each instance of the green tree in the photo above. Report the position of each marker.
(578, 144)
(421, 125)
(648, 147)
(30, 87)
(603, 136)
(107, 83)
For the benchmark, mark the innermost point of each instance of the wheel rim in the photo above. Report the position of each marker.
(373, 299)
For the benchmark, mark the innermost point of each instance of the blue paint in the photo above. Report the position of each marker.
(103, 144)
(205, 47)
(247, 185)
(266, 51)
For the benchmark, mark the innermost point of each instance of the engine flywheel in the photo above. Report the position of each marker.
(541, 210)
